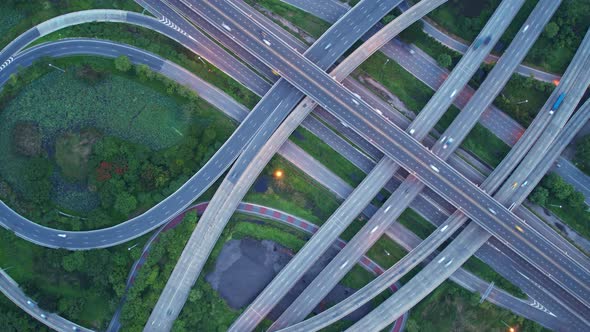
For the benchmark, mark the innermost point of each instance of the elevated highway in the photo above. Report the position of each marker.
(283, 95)
(399, 146)
(409, 189)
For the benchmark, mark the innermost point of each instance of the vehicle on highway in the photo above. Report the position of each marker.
(62, 235)
(449, 263)
(524, 184)
(379, 112)
(412, 131)
(444, 228)
(434, 168)
(266, 42)
(477, 43)
(518, 228)
(557, 103)
(412, 51)
(226, 27)
(525, 28)
(514, 185)
(328, 46)
(492, 211)
(276, 72)
(448, 142)
(454, 93)
(344, 124)
(481, 41)
(74, 328)
(30, 303)
(441, 260)
(357, 95)
(355, 102)
(44, 316)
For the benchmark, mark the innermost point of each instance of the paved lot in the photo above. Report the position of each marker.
(244, 267)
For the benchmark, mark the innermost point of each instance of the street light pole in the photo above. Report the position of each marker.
(383, 68)
(56, 67)
(133, 246)
(559, 206)
(522, 102)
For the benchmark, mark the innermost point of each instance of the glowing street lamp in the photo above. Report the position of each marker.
(278, 174)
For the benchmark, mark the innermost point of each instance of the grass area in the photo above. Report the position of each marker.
(482, 270)
(309, 23)
(294, 193)
(74, 285)
(451, 308)
(19, 16)
(523, 97)
(151, 129)
(158, 44)
(577, 217)
(327, 156)
(415, 223)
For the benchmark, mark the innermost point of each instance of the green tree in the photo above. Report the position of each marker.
(73, 262)
(576, 199)
(122, 63)
(444, 60)
(539, 196)
(557, 186)
(125, 203)
(551, 29)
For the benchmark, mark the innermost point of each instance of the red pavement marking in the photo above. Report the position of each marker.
(262, 210)
(276, 214)
(303, 224)
(248, 207)
(290, 219)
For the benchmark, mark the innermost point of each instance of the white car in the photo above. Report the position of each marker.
(448, 142)
(62, 235)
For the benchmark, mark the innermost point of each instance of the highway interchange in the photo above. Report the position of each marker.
(397, 145)
(166, 216)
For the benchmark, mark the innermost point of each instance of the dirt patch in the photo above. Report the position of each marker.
(72, 151)
(26, 138)
(244, 268)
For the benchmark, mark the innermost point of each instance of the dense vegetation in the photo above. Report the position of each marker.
(20, 15)
(452, 308)
(562, 199)
(83, 286)
(101, 138)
